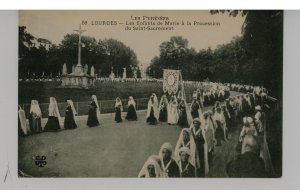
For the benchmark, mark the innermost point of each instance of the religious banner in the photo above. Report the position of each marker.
(171, 81)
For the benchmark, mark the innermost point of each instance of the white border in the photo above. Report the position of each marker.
(147, 4)
(8, 126)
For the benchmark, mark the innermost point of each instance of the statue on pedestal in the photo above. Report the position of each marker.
(124, 73)
(64, 71)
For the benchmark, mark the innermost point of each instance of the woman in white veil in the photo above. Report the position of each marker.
(54, 119)
(163, 109)
(186, 139)
(22, 122)
(70, 113)
(94, 113)
(151, 168)
(118, 110)
(152, 111)
(35, 117)
(173, 111)
(131, 113)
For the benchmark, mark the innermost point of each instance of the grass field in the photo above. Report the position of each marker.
(41, 91)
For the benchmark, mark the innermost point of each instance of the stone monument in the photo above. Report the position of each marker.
(79, 77)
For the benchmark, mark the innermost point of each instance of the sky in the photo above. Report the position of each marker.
(54, 25)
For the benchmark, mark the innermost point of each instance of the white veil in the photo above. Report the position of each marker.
(154, 105)
(131, 102)
(25, 128)
(119, 103)
(53, 110)
(152, 160)
(94, 98)
(35, 108)
(70, 102)
(194, 159)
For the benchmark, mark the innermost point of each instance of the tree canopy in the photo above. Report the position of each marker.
(102, 54)
(254, 58)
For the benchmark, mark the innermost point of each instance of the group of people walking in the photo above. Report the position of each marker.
(195, 146)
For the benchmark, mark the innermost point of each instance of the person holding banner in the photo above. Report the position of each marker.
(172, 111)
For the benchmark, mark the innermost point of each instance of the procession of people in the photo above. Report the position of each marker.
(201, 131)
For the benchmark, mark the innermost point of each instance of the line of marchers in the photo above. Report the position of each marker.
(152, 23)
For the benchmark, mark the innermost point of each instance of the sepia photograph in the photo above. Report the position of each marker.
(150, 94)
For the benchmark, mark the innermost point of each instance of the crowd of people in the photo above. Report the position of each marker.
(201, 131)
(195, 146)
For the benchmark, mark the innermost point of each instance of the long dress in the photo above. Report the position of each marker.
(163, 113)
(195, 109)
(131, 113)
(200, 141)
(35, 123)
(152, 119)
(92, 117)
(118, 117)
(173, 113)
(182, 121)
(52, 124)
(69, 119)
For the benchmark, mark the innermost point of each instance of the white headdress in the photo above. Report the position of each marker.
(119, 103)
(194, 159)
(131, 102)
(94, 98)
(70, 102)
(25, 128)
(35, 108)
(164, 101)
(152, 160)
(53, 110)
(153, 104)
(167, 146)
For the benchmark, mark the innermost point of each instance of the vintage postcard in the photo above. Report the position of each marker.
(184, 94)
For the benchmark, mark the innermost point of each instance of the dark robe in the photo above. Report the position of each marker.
(52, 124)
(118, 117)
(35, 123)
(194, 109)
(69, 119)
(206, 100)
(173, 169)
(163, 114)
(182, 121)
(92, 117)
(189, 172)
(219, 134)
(152, 119)
(131, 113)
(247, 165)
(199, 141)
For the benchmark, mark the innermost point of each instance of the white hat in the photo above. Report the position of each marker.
(258, 108)
(249, 120)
